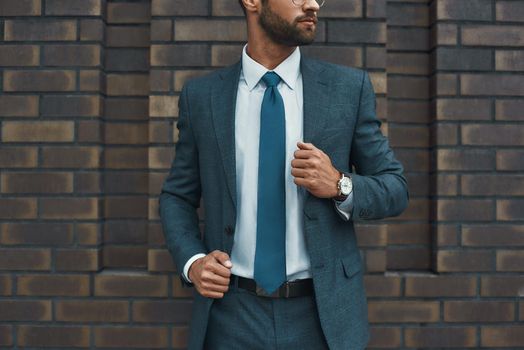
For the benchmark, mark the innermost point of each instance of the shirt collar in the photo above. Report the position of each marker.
(288, 70)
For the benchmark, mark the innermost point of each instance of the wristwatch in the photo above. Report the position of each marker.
(345, 186)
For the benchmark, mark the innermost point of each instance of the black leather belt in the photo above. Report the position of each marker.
(290, 289)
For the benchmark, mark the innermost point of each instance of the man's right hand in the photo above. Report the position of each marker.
(210, 274)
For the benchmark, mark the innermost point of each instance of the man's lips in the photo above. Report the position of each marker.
(309, 20)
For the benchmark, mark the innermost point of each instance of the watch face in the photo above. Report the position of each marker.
(346, 186)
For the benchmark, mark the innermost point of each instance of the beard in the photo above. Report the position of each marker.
(283, 32)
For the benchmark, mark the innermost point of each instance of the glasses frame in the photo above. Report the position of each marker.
(302, 2)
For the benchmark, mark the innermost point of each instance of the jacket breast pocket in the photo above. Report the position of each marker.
(351, 264)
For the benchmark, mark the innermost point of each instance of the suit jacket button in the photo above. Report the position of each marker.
(229, 230)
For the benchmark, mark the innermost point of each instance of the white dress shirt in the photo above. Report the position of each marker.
(247, 135)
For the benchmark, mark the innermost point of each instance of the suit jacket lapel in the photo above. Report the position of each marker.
(316, 98)
(223, 102)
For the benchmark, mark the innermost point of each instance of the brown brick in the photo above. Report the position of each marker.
(38, 131)
(225, 8)
(78, 157)
(18, 106)
(175, 311)
(510, 160)
(445, 34)
(37, 233)
(361, 32)
(127, 109)
(53, 336)
(492, 35)
(71, 55)
(40, 30)
(125, 158)
(139, 12)
(89, 131)
(125, 256)
(408, 258)
(160, 157)
(445, 185)
(6, 335)
(408, 87)
(467, 159)
(189, 7)
(120, 60)
(483, 134)
(132, 337)
(372, 235)
(463, 59)
(493, 185)
(376, 57)
(127, 84)
(126, 231)
(37, 81)
(92, 310)
(53, 285)
(78, 260)
(20, 8)
(343, 55)
(163, 106)
(408, 63)
(126, 207)
(493, 235)
(18, 157)
(180, 336)
(403, 233)
(465, 210)
(441, 337)
(496, 85)
(445, 84)
(479, 10)
(382, 286)
(408, 39)
(71, 105)
(17, 208)
(447, 235)
(129, 133)
(510, 260)
(210, 30)
(384, 337)
(505, 336)
(180, 291)
(440, 286)
(509, 60)
(512, 11)
(19, 55)
(464, 261)
(92, 30)
(69, 208)
(510, 209)
(6, 286)
(179, 55)
(138, 284)
(509, 109)
(128, 36)
(88, 234)
(161, 30)
(160, 80)
(409, 136)
(37, 182)
(408, 111)
(25, 310)
(160, 260)
(406, 14)
(345, 9)
(463, 109)
(73, 7)
(25, 259)
(478, 311)
(223, 55)
(502, 286)
(91, 81)
(403, 311)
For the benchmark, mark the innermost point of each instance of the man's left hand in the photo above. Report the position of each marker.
(313, 170)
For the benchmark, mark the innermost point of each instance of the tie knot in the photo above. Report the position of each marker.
(271, 79)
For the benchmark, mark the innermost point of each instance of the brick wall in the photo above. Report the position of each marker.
(88, 108)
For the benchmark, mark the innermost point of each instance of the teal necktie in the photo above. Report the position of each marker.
(270, 255)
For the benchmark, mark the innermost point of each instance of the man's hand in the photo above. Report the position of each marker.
(210, 274)
(313, 170)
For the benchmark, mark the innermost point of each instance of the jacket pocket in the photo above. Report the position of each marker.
(351, 264)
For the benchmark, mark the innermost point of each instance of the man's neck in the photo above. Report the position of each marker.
(269, 55)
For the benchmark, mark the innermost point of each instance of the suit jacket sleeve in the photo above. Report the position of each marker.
(180, 194)
(380, 189)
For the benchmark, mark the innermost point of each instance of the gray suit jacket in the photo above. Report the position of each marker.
(339, 118)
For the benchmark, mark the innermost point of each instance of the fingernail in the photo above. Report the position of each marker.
(228, 263)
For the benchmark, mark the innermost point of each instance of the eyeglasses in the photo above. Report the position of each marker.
(302, 2)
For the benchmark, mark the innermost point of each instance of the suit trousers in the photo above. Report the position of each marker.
(242, 320)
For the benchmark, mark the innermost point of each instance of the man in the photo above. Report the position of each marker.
(269, 144)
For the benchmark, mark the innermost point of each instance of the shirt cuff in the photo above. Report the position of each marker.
(185, 273)
(345, 207)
